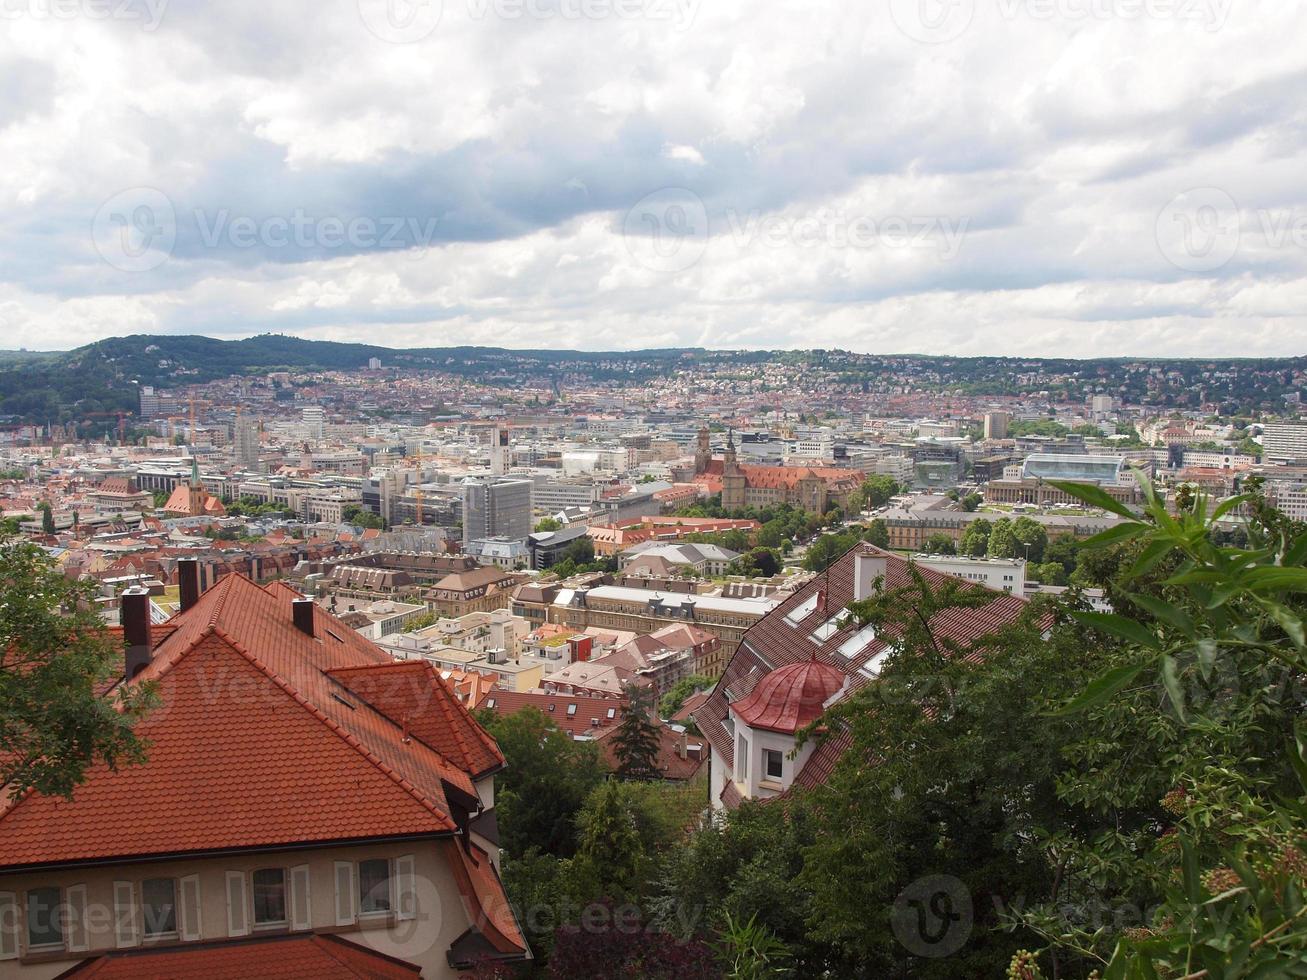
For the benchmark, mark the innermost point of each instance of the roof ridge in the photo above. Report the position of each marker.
(349, 738)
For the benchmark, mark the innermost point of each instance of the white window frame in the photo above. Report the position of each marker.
(274, 924)
(767, 755)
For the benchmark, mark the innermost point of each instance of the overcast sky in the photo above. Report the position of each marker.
(1065, 177)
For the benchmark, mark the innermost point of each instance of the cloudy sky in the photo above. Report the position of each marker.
(1073, 177)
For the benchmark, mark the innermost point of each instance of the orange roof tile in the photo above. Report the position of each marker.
(296, 958)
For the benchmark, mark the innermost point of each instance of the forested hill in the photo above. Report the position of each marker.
(103, 378)
(57, 386)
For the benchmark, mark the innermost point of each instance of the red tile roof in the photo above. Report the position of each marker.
(255, 744)
(296, 957)
(486, 900)
(555, 708)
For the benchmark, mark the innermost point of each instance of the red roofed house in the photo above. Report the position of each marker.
(800, 659)
(309, 807)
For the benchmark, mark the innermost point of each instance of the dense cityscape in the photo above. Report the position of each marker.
(653, 490)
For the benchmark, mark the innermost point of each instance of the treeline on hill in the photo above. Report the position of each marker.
(1101, 795)
(70, 385)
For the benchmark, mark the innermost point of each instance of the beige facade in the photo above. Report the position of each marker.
(101, 907)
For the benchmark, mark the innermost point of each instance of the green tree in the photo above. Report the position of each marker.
(940, 543)
(635, 743)
(749, 951)
(47, 519)
(877, 533)
(610, 842)
(548, 524)
(972, 501)
(1030, 539)
(975, 539)
(676, 695)
(877, 490)
(56, 657)
(546, 781)
(1215, 856)
(1049, 573)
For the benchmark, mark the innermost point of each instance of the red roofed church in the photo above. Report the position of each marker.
(309, 807)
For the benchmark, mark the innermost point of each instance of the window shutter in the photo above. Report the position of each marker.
(78, 940)
(188, 918)
(237, 917)
(344, 893)
(124, 914)
(301, 917)
(405, 890)
(8, 926)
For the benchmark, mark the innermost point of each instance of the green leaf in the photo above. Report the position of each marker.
(1171, 680)
(1298, 756)
(1116, 967)
(1228, 505)
(1206, 649)
(1291, 624)
(1100, 689)
(1096, 497)
(1166, 612)
(1273, 579)
(1114, 535)
(1126, 629)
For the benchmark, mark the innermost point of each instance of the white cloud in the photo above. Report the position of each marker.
(830, 181)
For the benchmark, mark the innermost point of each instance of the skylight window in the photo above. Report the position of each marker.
(571, 710)
(802, 611)
(856, 643)
(827, 629)
(873, 666)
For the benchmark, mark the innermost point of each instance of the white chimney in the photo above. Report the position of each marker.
(867, 568)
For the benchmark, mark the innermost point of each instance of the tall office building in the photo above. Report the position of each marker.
(996, 425)
(245, 438)
(494, 508)
(1100, 407)
(1284, 442)
(314, 418)
(501, 454)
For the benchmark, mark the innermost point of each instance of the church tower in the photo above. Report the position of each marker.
(703, 453)
(733, 478)
(195, 499)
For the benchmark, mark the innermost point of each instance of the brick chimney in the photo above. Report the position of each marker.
(134, 611)
(188, 580)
